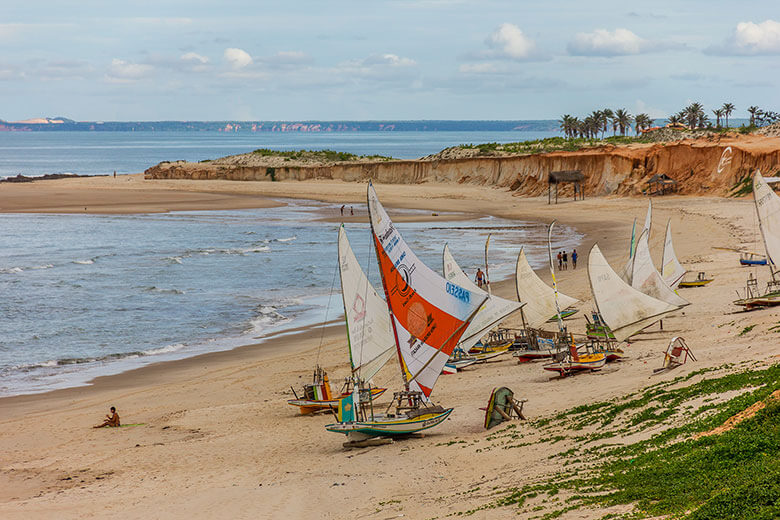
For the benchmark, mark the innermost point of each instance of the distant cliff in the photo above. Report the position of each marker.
(705, 166)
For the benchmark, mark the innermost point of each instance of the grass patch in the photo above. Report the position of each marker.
(317, 155)
(727, 476)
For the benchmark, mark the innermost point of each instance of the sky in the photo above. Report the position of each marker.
(404, 59)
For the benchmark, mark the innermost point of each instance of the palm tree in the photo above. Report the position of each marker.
(606, 118)
(623, 120)
(718, 114)
(727, 108)
(565, 123)
(641, 122)
(753, 111)
(674, 119)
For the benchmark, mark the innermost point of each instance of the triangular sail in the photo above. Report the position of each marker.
(648, 221)
(538, 297)
(493, 311)
(429, 314)
(768, 210)
(645, 277)
(671, 270)
(625, 309)
(370, 336)
(487, 264)
(625, 273)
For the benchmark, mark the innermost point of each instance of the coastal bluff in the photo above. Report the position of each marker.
(712, 165)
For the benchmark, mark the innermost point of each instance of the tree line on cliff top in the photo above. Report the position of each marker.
(693, 116)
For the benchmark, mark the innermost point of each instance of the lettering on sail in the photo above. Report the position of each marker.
(458, 292)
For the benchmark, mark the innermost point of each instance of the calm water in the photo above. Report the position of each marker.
(86, 295)
(89, 153)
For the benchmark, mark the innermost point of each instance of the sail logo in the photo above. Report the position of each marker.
(458, 292)
(725, 159)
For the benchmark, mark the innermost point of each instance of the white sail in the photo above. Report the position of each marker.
(645, 277)
(624, 309)
(370, 336)
(625, 273)
(538, 297)
(768, 210)
(429, 314)
(648, 221)
(671, 270)
(492, 311)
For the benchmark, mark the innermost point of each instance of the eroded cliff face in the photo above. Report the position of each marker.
(700, 166)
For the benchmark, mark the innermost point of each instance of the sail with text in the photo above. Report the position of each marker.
(493, 311)
(429, 314)
(370, 336)
(768, 210)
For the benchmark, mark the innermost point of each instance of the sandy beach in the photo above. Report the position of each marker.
(217, 439)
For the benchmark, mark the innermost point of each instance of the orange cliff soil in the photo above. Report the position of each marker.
(700, 166)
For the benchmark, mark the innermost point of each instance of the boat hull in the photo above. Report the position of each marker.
(564, 314)
(526, 356)
(386, 426)
(588, 362)
(752, 262)
(308, 406)
(695, 283)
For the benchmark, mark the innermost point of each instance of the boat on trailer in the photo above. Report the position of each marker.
(429, 315)
(767, 205)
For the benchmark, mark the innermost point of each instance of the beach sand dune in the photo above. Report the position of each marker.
(218, 440)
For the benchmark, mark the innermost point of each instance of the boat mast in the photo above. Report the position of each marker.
(487, 276)
(552, 272)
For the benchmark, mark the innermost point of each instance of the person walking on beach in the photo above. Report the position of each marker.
(351, 211)
(560, 261)
(112, 421)
(480, 277)
(574, 259)
(342, 209)
(565, 260)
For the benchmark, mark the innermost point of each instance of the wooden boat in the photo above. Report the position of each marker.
(317, 395)
(370, 342)
(767, 204)
(597, 329)
(501, 407)
(573, 362)
(750, 259)
(429, 315)
(541, 344)
(700, 281)
(458, 360)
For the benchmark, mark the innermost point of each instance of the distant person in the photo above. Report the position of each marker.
(115, 174)
(574, 259)
(112, 421)
(565, 260)
(351, 211)
(342, 209)
(560, 261)
(480, 277)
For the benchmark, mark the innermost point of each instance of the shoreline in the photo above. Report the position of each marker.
(274, 339)
(215, 425)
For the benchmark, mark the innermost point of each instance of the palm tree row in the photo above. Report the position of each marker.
(600, 121)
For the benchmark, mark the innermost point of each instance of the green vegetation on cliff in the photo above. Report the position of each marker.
(318, 155)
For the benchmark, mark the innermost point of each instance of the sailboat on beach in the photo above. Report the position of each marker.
(370, 340)
(767, 205)
(429, 316)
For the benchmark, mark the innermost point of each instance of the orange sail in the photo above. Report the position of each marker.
(429, 313)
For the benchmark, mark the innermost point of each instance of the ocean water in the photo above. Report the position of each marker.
(89, 295)
(90, 153)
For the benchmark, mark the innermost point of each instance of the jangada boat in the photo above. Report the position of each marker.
(768, 210)
(370, 340)
(429, 315)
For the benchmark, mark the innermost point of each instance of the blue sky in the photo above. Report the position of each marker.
(425, 59)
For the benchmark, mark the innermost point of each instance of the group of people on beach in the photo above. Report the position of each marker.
(563, 260)
(351, 210)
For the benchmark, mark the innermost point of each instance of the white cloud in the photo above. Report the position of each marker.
(193, 57)
(750, 39)
(237, 58)
(601, 42)
(391, 60)
(124, 71)
(508, 41)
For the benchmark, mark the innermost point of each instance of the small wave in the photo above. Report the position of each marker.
(163, 350)
(155, 289)
(288, 239)
(173, 259)
(46, 266)
(11, 270)
(84, 262)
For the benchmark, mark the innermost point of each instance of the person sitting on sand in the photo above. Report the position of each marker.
(112, 421)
